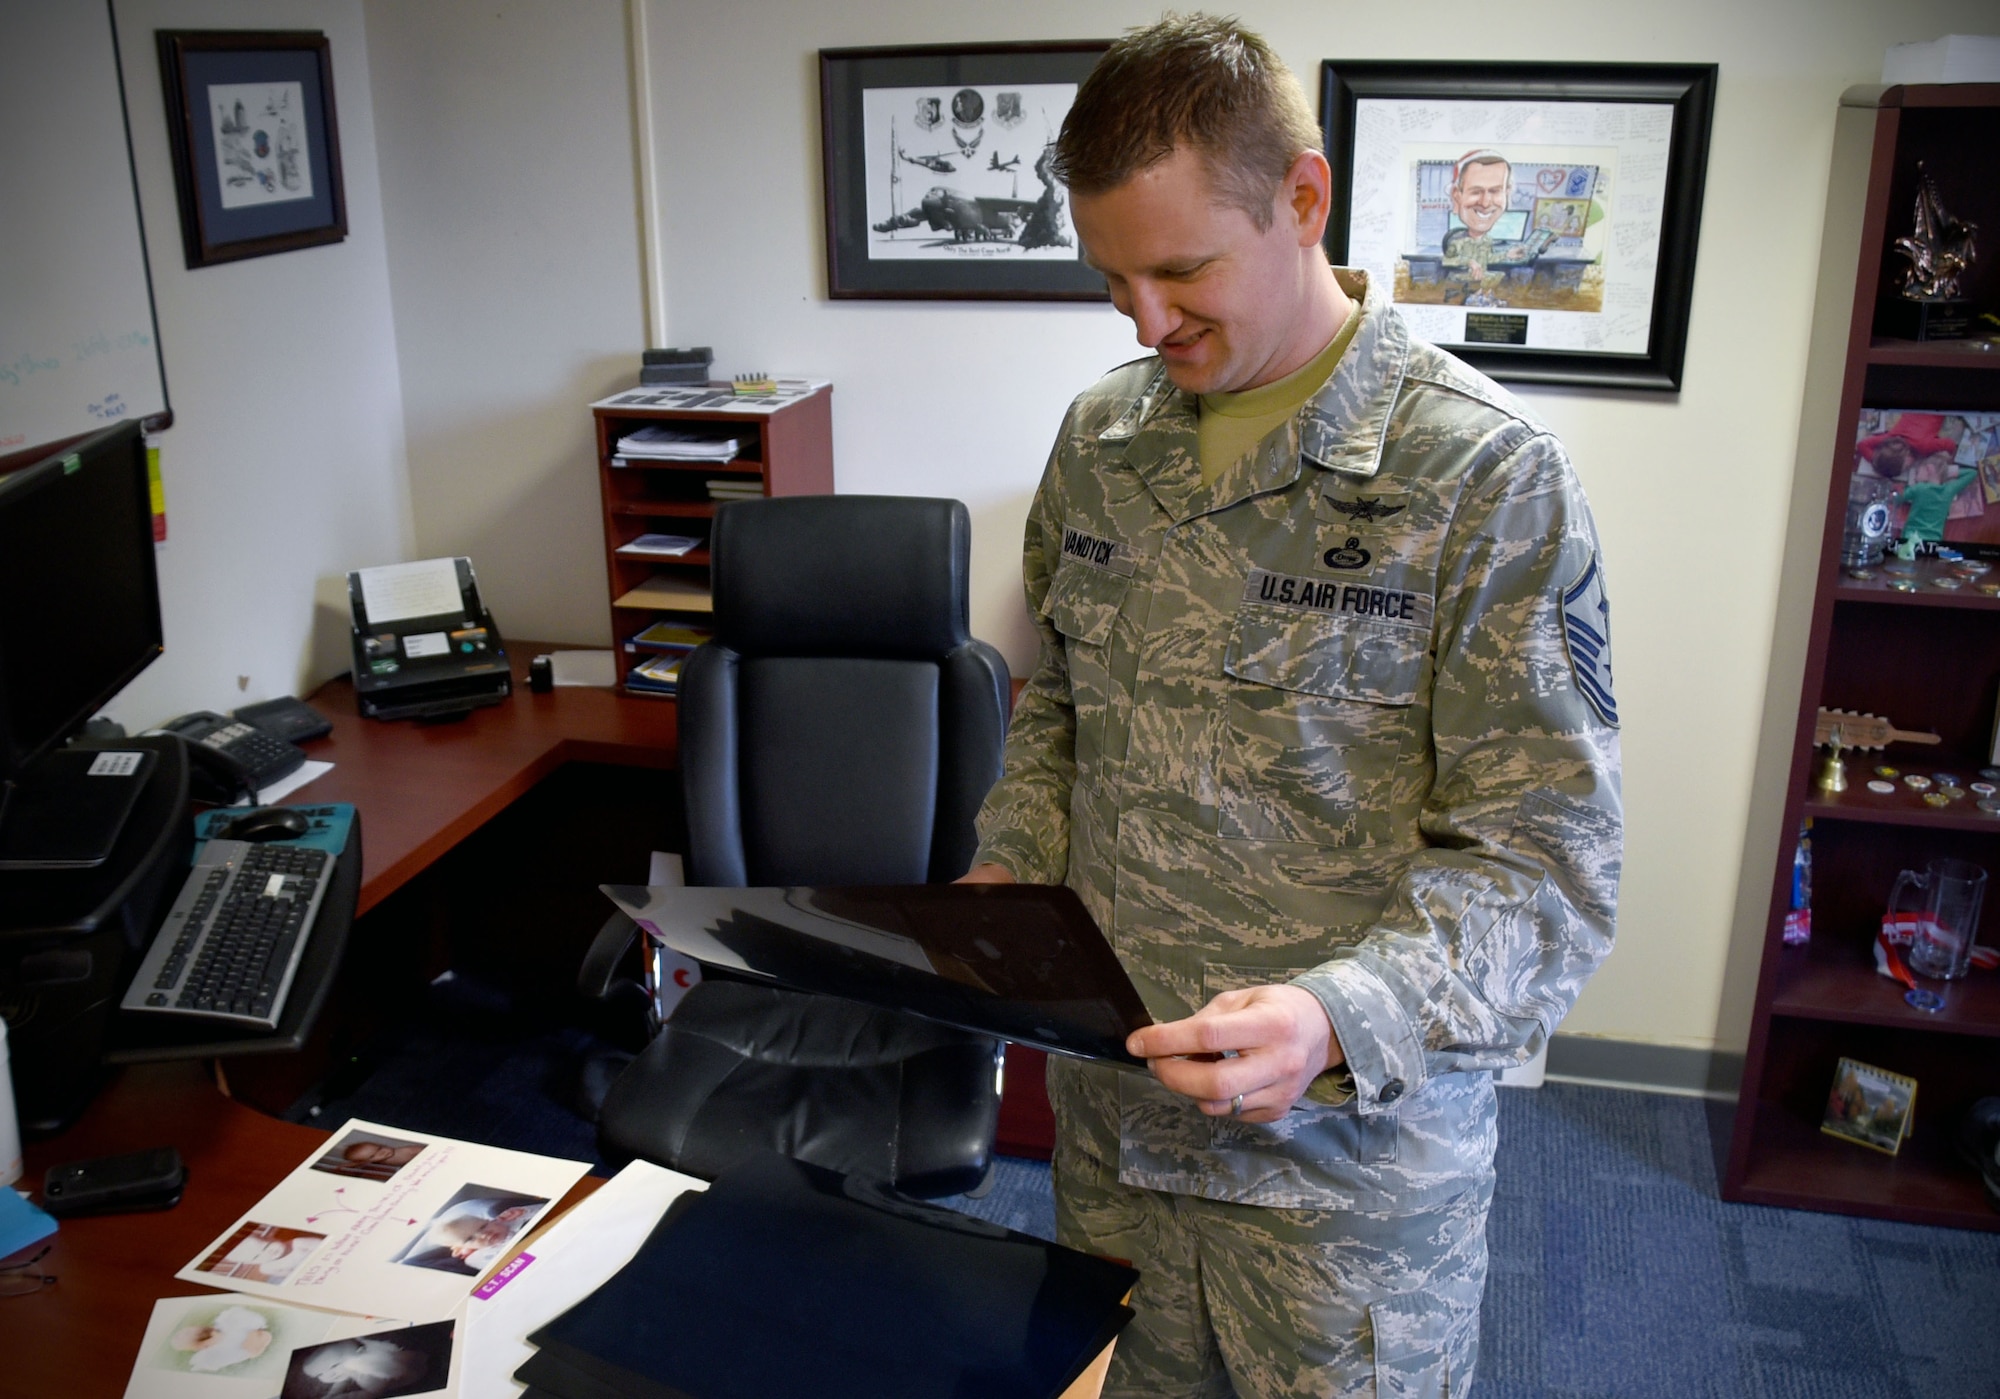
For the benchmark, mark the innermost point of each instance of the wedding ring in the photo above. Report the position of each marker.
(1236, 1106)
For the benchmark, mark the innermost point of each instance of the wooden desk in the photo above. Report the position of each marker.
(421, 789)
(79, 1338)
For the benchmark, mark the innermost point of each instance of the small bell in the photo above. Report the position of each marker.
(1833, 772)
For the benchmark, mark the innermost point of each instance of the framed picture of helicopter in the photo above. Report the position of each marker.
(938, 185)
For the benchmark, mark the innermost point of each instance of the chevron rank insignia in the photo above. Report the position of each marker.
(1587, 638)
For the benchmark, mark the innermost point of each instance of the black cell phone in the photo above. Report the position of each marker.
(141, 1180)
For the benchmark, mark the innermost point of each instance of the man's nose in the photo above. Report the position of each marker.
(1153, 313)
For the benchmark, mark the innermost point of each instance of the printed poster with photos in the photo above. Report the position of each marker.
(386, 1222)
(1534, 224)
(1944, 466)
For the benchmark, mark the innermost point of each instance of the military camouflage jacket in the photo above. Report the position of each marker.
(1342, 718)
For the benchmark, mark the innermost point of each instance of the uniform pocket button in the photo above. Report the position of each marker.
(1391, 1091)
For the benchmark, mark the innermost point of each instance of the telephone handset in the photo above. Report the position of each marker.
(229, 758)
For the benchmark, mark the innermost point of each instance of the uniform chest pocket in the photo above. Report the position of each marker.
(1083, 605)
(1322, 711)
(1083, 602)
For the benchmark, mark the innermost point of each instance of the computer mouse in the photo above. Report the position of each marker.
(267, 823)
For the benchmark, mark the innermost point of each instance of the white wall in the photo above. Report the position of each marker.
(508, 187)
(284, 467)
(1691, 491)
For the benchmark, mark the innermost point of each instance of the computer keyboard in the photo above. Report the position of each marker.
(233, 939)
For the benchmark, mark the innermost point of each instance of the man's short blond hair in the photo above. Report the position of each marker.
(1199, 81)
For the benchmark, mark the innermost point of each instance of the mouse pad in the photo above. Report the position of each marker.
(330, 825)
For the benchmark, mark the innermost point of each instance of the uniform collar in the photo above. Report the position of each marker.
(1345, 425)
(1342, 427)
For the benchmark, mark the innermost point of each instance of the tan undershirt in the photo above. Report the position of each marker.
(1233, 423)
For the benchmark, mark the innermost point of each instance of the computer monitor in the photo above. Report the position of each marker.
(79, 606)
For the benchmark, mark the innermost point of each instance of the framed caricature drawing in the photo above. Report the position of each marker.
(1537, 219)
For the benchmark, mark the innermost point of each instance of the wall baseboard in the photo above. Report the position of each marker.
(1647, 1068)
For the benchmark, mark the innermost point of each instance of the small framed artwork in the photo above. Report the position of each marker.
(256, 145)
(938, 184)
(1537, 219)
(1869, 1105)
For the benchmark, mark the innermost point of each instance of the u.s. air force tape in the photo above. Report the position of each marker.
(1339, 598)
(1098, 552)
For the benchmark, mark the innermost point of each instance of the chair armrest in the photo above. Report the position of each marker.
(599, 972)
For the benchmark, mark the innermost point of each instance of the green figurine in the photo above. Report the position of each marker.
(1929, 503)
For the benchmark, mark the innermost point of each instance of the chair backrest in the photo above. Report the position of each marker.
(843, 727)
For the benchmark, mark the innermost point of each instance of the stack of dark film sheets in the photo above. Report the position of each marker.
(783, 1278)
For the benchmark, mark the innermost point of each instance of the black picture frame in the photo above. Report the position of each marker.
(1366, 221)
(968, 258)
(279, 187)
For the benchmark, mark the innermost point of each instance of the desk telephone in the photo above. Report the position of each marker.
(229, 758)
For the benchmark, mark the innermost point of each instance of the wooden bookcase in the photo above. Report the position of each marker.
(1927, 659)
(790, 452)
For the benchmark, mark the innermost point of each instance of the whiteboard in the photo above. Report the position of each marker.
(79, 346)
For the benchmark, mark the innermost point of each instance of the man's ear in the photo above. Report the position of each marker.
(1306, 196)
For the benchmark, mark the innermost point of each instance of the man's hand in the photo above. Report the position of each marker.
(985, 874)
(1277, 1039)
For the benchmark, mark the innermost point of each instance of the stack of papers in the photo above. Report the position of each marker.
(704, 398)
(668, 636)
(658, 442)
(782, 1278)
(558, 1268)
(659, 546)
(734, 488)
(353, 1275)
(669, 594)
(584, 668)
(658, 675)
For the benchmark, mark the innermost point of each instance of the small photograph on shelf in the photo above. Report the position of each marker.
(1870, 1106)
(1923, 480)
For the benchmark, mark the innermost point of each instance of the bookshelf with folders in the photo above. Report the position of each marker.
(1887, 417)
(663, 472)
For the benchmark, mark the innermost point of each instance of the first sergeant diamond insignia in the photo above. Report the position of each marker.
(1587, 639)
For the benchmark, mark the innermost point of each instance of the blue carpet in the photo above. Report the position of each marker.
(1617, 1271)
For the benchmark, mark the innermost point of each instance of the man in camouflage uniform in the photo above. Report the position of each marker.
(1323, 737)
(1476, 266)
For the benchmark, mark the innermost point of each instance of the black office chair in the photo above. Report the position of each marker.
(842, 728)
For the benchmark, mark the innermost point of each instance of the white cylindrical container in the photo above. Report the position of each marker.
(10, 1127)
